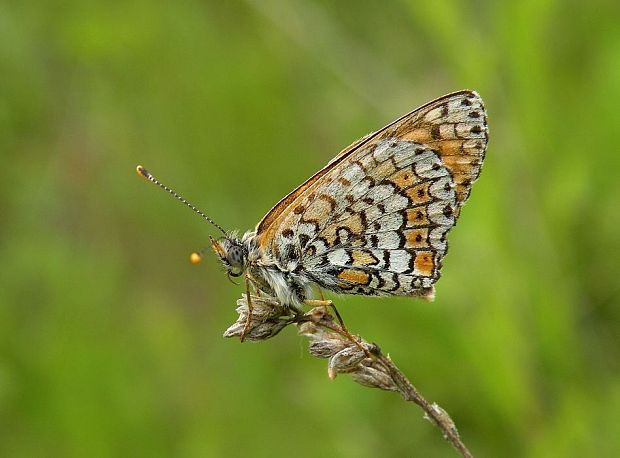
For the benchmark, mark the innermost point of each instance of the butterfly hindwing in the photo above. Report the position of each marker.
(374, 220)
(386, 232)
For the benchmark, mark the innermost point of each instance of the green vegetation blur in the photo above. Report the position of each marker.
(111, 341)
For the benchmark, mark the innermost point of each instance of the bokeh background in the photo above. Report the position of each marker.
(110, 341)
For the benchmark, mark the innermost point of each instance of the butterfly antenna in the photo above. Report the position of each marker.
(146, 174)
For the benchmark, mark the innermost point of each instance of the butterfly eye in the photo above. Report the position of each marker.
(235, 256)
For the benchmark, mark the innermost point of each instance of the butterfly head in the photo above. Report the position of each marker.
(232, 253)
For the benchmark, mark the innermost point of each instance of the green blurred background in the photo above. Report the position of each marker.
(110, 341)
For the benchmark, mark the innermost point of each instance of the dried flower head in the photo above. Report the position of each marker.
(267, 319)
(346, 354)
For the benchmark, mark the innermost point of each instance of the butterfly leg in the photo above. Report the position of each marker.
(248, 320)
(328, 303)
(323, 303)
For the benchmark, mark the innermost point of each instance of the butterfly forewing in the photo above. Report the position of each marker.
(375, 219)
(456, 127)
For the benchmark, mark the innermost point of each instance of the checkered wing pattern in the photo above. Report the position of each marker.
(374, 220)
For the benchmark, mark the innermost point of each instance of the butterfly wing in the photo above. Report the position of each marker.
(374, 220)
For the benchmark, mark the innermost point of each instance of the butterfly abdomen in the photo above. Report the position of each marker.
(289, 288)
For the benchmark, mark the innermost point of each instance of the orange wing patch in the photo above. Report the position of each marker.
(404, 178)
(353, 276)
(320, 208)
(424, 264)
(419, 135)
(419, 194)
(452, 147)
(363, 258)
(354, 223)
(416, 238)
(417, 217)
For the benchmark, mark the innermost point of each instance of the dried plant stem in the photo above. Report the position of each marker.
(348, 354)
(432, 411)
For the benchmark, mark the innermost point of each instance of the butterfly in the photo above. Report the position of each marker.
(374, 220)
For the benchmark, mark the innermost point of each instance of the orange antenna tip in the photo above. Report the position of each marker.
(195, 258)
(143, 172)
